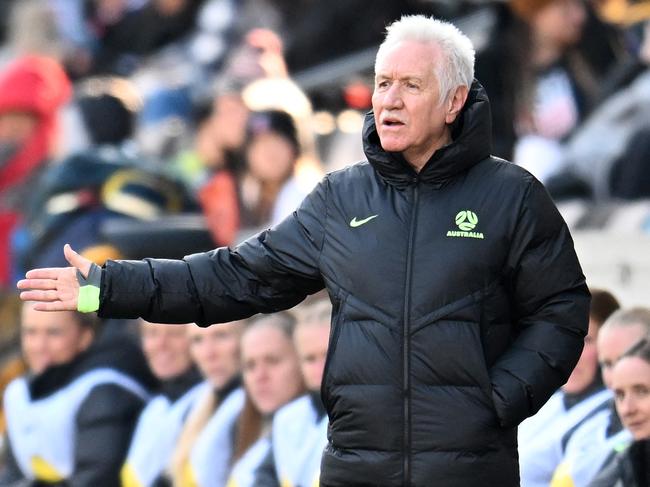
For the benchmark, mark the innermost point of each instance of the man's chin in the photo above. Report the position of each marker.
(393, 146)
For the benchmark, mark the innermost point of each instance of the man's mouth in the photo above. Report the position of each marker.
(389, 122)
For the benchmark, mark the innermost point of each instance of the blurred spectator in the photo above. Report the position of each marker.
(32, 90)
(204, 450)
(271, 372)
(542, 437)
(70, 419)
(134, 33)
(631, 384)
(163, 126)
(221, 26)
(5, 10)
(534, 71)
(359, 24)
(266, 191)
(167, 350)
(109, 106)
(615, 165)
(219, 133)
(299, 432)
(32, 30)
(104, 182)
(597, 439)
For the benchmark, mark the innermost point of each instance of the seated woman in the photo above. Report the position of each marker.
(299, 432)
(631, 384)
(167, 351)
(271, 373)
(70, 419)
(203, 452)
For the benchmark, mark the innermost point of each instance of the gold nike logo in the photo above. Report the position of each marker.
(357, 223)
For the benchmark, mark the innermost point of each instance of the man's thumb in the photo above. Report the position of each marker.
(76, 260)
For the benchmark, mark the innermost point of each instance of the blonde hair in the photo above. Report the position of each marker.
(198, 418)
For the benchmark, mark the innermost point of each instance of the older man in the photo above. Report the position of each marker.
(459, 303)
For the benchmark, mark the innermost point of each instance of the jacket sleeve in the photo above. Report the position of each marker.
(105, 423)
(271, 271)
(550, 305)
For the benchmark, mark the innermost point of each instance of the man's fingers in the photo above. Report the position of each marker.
(39, 295)
(76, 260)
(45, 273)
(55, 306)
(42, 284)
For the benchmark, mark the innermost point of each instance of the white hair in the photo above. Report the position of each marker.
(455, 46)
(627, 317)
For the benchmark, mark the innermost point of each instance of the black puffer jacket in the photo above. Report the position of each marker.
(459, 306)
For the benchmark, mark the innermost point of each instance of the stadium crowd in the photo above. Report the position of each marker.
(160, 128)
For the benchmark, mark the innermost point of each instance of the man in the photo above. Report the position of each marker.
(459, 303)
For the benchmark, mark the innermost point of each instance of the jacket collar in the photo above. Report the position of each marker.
(176, 387)
(471, 143)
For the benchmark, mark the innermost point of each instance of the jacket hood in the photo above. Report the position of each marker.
(471, 143)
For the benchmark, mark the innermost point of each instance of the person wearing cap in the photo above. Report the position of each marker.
(459, 305)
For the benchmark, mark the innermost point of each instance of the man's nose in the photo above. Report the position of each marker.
(393, 97)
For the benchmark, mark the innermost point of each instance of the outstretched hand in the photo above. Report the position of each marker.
(55, 288)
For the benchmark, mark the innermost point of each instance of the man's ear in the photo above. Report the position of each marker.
(455, 103)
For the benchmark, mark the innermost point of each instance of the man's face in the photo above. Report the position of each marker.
(406, 102)
(51, 338)
(167, 349)
(612, 343)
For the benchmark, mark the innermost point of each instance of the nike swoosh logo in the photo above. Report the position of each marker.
(357, 223)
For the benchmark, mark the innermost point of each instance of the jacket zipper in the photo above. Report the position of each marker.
(406, 340)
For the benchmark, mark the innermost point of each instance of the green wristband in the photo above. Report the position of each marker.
(88, 299)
